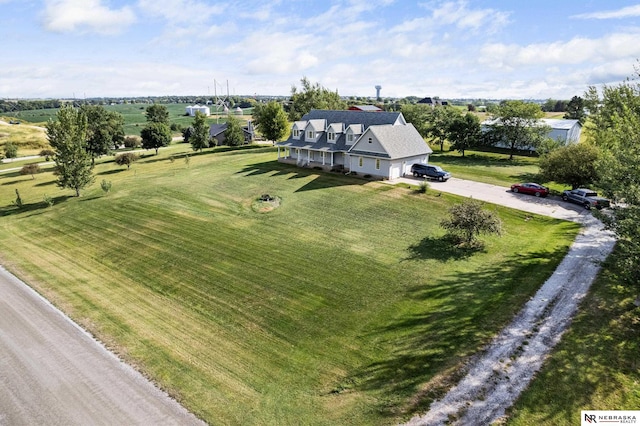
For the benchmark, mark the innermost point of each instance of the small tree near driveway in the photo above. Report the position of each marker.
(468, 220)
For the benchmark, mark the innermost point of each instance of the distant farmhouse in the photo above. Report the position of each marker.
(216, 131)
(380, 144)
(566, 132)
(433, 102)
(191, 110)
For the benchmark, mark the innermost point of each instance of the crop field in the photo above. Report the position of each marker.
(339, 302)
(29, 139)
(133, 114)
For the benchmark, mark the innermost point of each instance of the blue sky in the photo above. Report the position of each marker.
(453, 49)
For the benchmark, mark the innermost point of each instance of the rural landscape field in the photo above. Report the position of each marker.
(340, 303)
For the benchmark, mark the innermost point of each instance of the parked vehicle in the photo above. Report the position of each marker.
(586, 197)
(530, 188)
(430, 171)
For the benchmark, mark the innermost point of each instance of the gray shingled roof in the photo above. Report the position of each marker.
(398, 141)
(366, 118)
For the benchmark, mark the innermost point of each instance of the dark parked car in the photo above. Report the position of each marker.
(432, 172)
(531, 188)
(586, 197)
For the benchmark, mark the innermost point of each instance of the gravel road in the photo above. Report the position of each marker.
(54, 373)
(499, 374)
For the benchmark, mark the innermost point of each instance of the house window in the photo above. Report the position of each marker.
(331, 136)
(349, 138)
(310, 135)
(296, 133)
(370, 140)
(360, 161)
(377, 164)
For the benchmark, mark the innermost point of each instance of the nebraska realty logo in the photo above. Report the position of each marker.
(619, 417)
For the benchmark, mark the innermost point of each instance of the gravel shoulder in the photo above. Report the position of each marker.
(53, 372)
(497, 376)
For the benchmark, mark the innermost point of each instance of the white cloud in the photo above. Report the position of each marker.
(575, 51)
(625, 12)
(458, 14)
(85, 16)
(181, 11)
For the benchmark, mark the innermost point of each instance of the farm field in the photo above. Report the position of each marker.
(342, 305)
(30, 140)
(133, 114)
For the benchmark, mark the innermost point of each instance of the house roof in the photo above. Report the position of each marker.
(397, 141)
(364, 108)
(366, 118)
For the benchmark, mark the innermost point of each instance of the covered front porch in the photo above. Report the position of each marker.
(311, 158)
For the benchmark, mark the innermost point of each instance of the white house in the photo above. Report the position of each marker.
(380, 144)
(191, 110)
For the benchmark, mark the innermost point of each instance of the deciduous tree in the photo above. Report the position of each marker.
(157, 114)
(126, 159)
(573, 165)
(469, 220)
(517, 125)
(464, 132)
(233, 135)
(68, 138)
(271, 120)
(199, 139)
(30, 169)
(615, 129)
(155, 135)
(439, 120)
(312, 96)
(105, 130)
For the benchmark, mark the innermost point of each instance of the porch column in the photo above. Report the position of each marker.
(332, 159)
(278, 152)
(324, 154)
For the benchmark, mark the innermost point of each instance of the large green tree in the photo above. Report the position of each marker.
(573, 165)
(68, 137)
(615, 128)
(418, 115)
(233, 135)
(517, 125)
(312, 96)
(469, 220)
(271, 120)
(199, 139)
(156, 133)
(157, 114)
(105, 130)
(439, 121)
(155, 136)
(464, 132)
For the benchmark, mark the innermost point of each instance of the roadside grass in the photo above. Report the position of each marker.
(343, 305)
(596, 366)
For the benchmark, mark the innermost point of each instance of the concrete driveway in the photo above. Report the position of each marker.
(551, 206)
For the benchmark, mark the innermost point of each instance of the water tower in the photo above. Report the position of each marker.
(378, 92)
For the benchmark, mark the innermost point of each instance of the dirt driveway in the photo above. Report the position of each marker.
(54, 373)
(497, 376)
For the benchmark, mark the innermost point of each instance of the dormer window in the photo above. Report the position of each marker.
(296, 133)
(311, 134)
(349, 138)
(331, 136)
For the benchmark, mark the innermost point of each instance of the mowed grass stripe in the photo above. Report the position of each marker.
(338, 307)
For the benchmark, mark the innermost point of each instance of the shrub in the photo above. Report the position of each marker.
(132, 142)
(10, 150)
(47, 154)
(423, 187)
(30, 169)
(48, 201)
(126, 159)
(105, 185)
(18, 202)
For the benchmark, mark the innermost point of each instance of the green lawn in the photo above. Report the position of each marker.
(344, 305)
